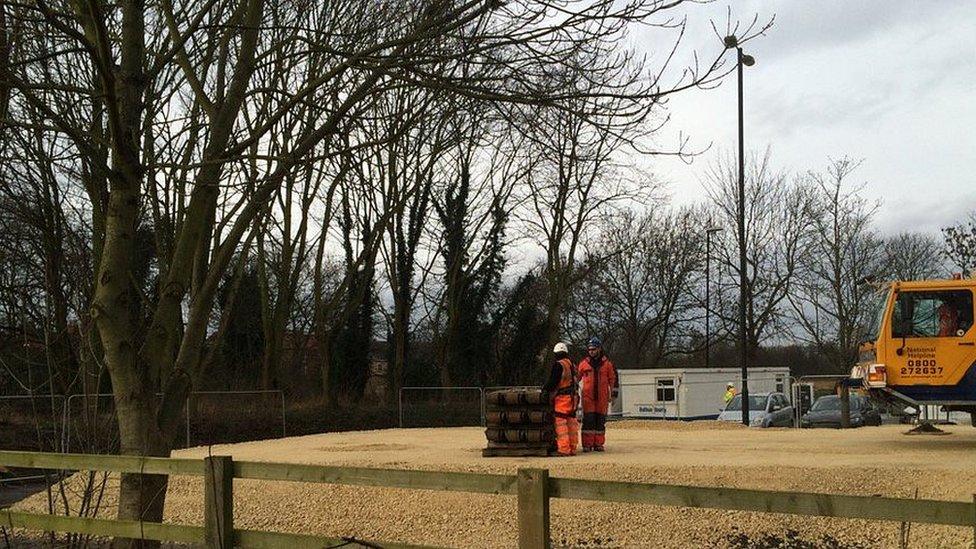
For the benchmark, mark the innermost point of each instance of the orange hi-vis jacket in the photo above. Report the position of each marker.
(599, 381)
(566, 398)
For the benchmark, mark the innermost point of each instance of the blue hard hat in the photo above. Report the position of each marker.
(594, 342)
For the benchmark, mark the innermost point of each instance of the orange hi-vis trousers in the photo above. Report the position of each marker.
(567, 427)
(567, 436)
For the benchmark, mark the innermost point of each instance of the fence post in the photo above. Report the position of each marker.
(218, 502)
(533, 508)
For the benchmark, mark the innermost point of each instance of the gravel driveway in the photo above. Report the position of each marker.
(867, 461)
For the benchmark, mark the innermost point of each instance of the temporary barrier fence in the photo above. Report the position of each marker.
(440, 391)
(188, 416)
(201, 396)
(45, 419)
(55, 402)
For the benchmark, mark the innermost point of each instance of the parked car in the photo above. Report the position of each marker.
(826, 412)
(765, 410)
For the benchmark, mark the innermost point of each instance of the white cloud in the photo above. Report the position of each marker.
(891, 82)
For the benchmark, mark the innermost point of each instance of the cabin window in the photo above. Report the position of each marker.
(780, 384)
(947, 313)
(665, 390)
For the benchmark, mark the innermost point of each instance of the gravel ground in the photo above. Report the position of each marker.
(868, 461)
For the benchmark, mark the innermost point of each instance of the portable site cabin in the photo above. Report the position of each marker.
(689, 393)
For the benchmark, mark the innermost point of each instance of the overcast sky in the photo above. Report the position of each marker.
(892, 82)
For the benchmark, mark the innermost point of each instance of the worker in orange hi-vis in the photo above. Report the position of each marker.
(948, 319)
(598, 377)
(562, 386)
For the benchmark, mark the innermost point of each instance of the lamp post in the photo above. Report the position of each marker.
(708, 288)
(747, 60)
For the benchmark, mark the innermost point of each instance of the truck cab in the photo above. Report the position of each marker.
(925, 349)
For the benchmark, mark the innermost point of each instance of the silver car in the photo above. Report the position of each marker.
(765, 410)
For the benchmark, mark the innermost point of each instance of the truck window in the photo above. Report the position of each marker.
(879, 302)
(947, 313)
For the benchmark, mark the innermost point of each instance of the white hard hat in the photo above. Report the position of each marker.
(560, 348)
(730, 384)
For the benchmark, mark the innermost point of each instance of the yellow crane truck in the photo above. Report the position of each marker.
(925, 351)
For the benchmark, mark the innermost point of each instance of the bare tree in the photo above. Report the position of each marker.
(577, 177)
(472, 208)
(832, 302)
(639, 291)
(581, 170)
(178, 110)
(913, 256)
(408, 167)
(959, 244)
(776, 220)
(39, 231)
(280, 272)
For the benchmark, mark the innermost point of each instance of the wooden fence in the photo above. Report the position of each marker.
(532, 487)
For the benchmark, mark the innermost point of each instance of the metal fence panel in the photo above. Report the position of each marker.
(215, 417)
(91, 419)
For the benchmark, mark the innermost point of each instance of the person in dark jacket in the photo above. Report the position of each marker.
(562, 386)
(598, 377)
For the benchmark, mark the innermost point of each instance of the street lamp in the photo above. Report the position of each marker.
(747, 60)
(708, 288)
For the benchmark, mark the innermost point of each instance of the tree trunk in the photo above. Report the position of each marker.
(400, 350)
(141, 497)
(271, 359)
(325, 350)
(553, 317)
(115, 312)
(449, 347)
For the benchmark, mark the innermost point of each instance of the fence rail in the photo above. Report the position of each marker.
(533, 488)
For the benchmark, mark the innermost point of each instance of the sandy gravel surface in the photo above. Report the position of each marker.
(869, 461)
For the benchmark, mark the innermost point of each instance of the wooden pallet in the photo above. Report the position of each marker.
(516, 449)
(512, 445)
(528, 451)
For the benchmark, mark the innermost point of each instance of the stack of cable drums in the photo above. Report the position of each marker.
(519, 423)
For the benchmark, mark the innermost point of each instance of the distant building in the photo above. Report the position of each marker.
(690, 393)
